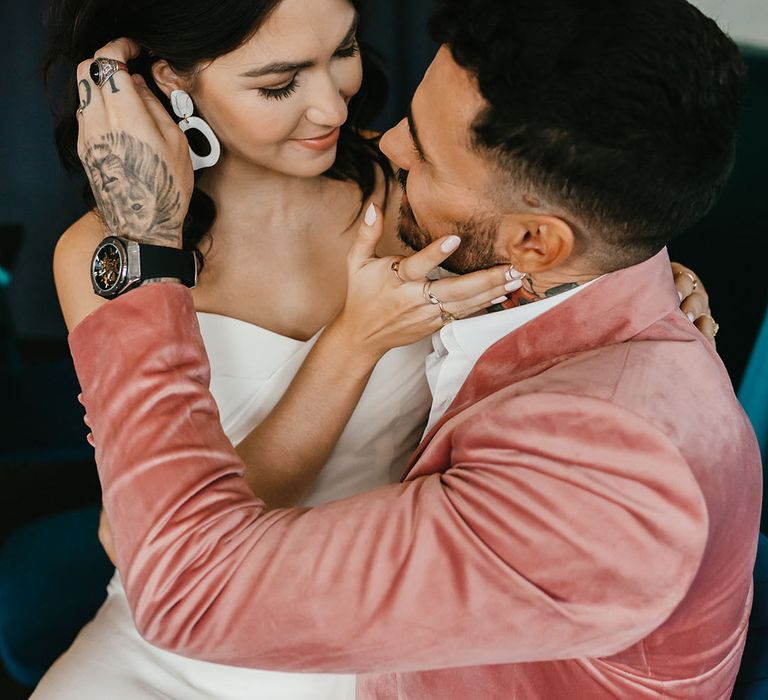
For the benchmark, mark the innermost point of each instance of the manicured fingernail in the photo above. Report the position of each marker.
(691, 317)
(680, 294)
(450, 244)
(513, 274)
(500, 300)
(370, 215)
(513, 286)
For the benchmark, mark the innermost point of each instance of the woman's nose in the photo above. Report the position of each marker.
(328, 108)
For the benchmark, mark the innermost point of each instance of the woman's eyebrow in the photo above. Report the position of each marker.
(292, 67)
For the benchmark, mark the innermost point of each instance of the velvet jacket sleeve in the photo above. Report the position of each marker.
(536, 539)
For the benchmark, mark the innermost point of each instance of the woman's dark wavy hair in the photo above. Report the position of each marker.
(623, 112)
(186, 33)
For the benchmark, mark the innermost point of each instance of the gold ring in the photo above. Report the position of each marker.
(396, 269)
(715, 324)
(80, 110)
(690, 276)
(446, 316)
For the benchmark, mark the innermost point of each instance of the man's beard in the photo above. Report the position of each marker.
(478, 237)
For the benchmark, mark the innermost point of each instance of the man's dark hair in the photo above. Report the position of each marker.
(621, 112)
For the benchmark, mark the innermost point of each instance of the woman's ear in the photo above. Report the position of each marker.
(166, 78)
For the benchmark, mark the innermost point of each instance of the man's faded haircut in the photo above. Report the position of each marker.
(622, 113)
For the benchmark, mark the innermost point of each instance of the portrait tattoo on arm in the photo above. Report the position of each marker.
(134, 190)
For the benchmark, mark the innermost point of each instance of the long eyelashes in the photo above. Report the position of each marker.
(280, 93)
(349, 51)
(286, 91)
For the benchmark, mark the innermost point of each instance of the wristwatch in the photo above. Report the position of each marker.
(119, 265)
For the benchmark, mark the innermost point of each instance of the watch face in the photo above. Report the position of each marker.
(108, 269)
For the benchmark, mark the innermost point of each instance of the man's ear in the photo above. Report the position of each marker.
(167, 79)
(536, 243)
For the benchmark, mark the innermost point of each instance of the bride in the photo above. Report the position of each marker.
(282, 86)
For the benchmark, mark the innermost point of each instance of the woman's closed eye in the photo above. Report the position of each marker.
(284, 91)
(281, 92)
(349, 51)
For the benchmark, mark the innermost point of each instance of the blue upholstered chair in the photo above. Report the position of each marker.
(53, 578)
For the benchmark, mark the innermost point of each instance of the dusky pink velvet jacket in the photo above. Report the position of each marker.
(581, 524)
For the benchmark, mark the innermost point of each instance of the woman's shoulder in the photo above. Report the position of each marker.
(72, 262)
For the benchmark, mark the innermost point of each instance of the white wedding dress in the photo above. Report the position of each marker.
(251, 368)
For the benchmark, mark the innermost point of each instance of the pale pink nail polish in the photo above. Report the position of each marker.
(691, 317)
(500, 300)
(680, 294)
(513, 286)
(450, 244)
(513, 274)
(370, 216)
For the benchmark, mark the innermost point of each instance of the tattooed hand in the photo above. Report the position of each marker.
(137, 160)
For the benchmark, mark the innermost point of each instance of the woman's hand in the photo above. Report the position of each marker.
(390, 302)
(385, 308)
(694, 301)
(137, 160)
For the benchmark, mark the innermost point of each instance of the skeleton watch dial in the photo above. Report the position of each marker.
(108, 268)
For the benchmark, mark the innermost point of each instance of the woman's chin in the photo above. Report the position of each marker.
(313, 163)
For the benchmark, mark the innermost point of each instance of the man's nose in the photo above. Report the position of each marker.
(395, 144)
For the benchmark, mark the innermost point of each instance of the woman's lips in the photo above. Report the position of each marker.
(321, 143)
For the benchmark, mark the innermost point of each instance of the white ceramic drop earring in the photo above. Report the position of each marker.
(184, 108)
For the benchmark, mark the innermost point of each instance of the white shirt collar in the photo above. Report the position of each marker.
(459, 345)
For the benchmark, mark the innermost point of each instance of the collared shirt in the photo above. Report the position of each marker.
(459, 345)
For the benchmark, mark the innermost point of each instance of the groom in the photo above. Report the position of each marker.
(581, 521)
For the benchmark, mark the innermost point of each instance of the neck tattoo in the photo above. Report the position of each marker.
(528, 294)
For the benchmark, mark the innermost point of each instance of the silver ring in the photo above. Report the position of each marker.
(427, 291)
(102, 69)
(445, 316)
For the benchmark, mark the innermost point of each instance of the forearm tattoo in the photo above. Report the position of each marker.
(135, 193)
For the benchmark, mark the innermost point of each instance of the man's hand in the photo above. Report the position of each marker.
(137, 160)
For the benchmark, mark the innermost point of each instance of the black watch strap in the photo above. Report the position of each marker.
(159, 262)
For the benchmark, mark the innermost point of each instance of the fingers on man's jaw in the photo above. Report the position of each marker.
(475, 286)
(418, 266)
